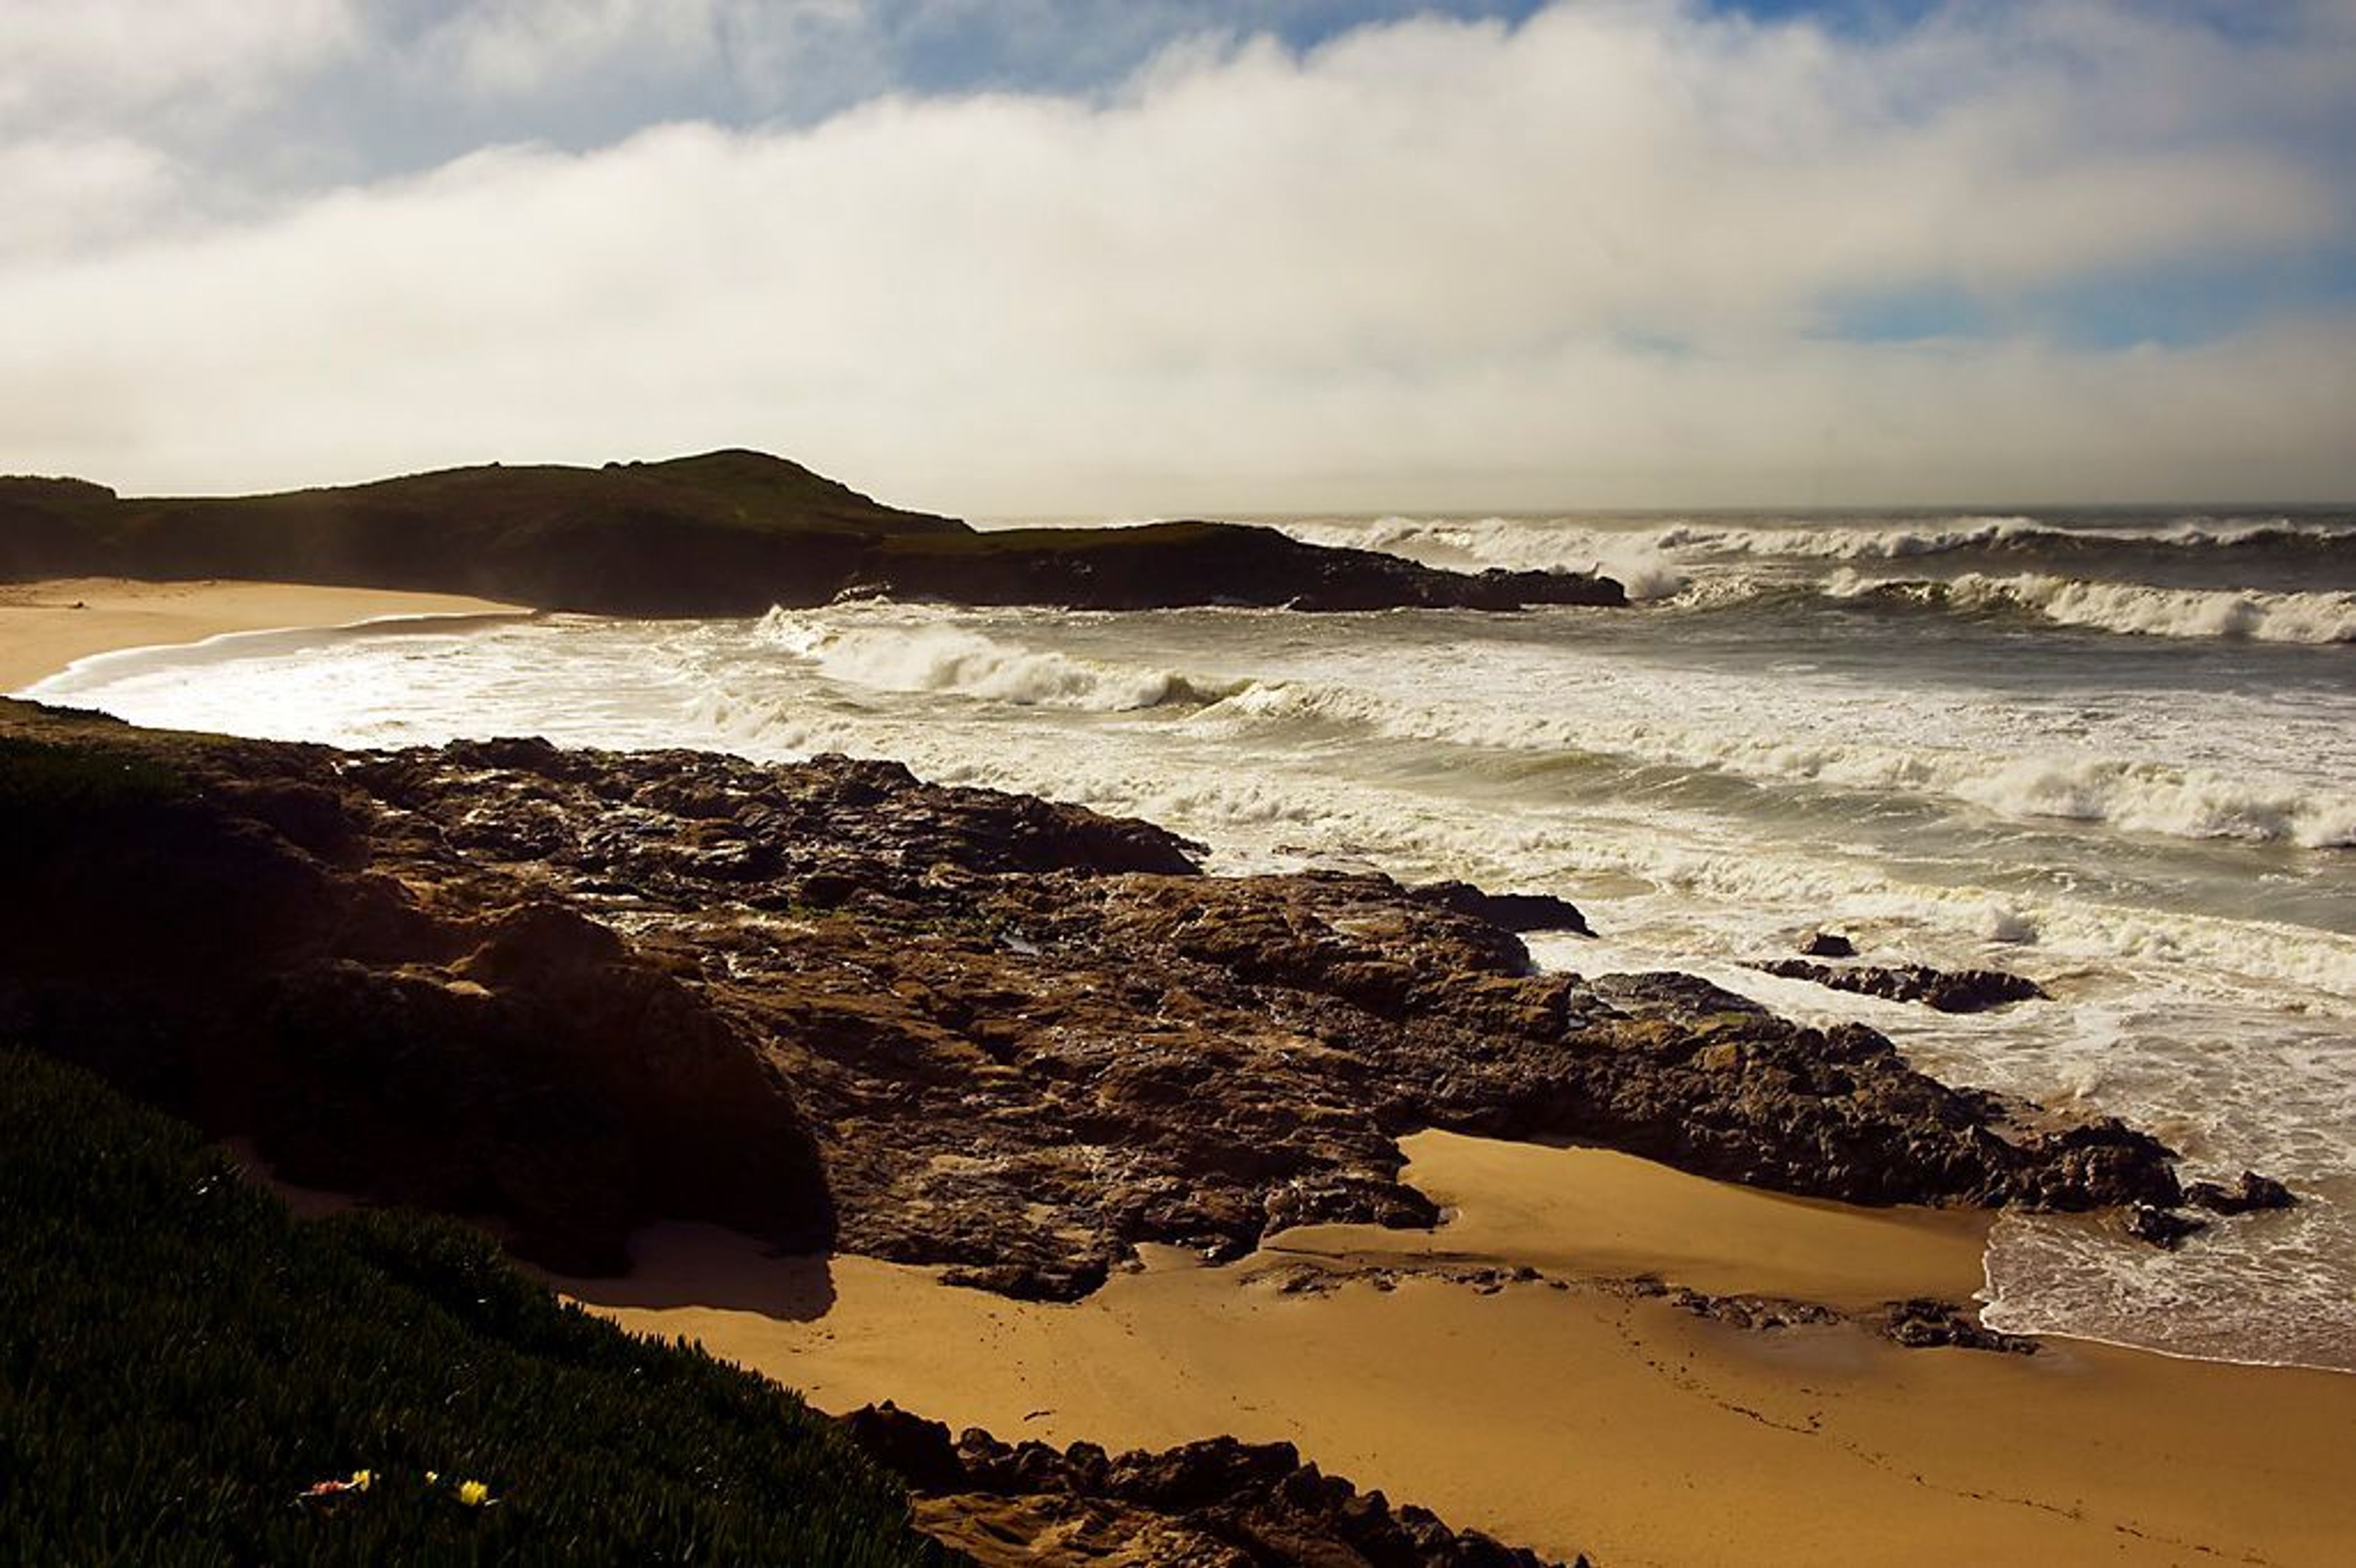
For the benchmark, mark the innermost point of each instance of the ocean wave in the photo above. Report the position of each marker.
(2013, 536)
(1816, 542)
(1656, 560)
(2132, 608)
(1634, 560)
(952, 659)
(1713, 891)
(2129, 794)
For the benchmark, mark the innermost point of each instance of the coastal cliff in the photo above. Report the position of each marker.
(725, 533)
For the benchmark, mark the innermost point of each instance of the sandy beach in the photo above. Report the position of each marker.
(1568, 1414)
(47, 625)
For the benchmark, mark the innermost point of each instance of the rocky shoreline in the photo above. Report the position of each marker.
(833, 1006)
(567, 993)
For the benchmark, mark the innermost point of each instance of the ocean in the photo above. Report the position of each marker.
(2113, 751)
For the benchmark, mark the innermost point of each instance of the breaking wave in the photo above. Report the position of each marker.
(1635, 560)
(2129, 794)
(2188, 550)
(951, 660)
(1657, 559)
(2132, 608)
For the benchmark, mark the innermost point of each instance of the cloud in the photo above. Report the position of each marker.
(89, 60)
(1600, 257)
(68, 196)
(516, 46)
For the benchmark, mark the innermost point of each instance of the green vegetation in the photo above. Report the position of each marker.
(181, 1362)
(40, 781)
(722, 533)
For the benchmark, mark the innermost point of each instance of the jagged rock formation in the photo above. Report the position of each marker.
(827, 1002)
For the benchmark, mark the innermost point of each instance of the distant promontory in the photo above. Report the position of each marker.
(725, 533)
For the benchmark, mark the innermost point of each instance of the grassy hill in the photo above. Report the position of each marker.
(182, 1362)
(726, 533)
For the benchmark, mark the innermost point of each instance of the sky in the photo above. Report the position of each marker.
(1144, 256)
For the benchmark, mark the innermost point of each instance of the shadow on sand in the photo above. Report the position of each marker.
(678, 1264)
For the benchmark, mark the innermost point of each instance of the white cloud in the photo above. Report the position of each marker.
(84, 61)
(1589, 259)
(67, 197)
(506, 47)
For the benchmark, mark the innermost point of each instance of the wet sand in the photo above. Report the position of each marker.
(1572, 1417)
(47, 625)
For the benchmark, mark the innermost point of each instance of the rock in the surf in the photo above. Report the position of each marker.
(1946, 990)
(2250, 1193)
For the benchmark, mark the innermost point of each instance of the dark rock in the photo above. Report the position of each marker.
(2165, 1228)
(919, 1452)
(1828, 945)
(543, 939)
(1923, 1323)
(1948, 991)
(1756, 1314)
(1516, 913)
(2250, 1193)
(1193, 562)
(1220, 1500)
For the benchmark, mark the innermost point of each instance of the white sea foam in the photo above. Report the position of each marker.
(1891, 543)
(1915, 539)
(1695, 562)
(952, 659)
(2133, 608)
(1250, 800)
(2138, 796)
(1633, 559)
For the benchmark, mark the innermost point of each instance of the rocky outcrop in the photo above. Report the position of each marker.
(1946, 991)
(2250, 1193)
(1217, 1504)
(1165, 564)
(576, 989)
(1923, 1323)
(1514, 911)
(2165, 1228)
(2170, 1228)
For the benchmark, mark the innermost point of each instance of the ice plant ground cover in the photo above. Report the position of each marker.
(180, 1360)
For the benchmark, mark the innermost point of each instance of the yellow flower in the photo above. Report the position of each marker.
(432, 1477)
(362, 1480)
(474, 1494)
